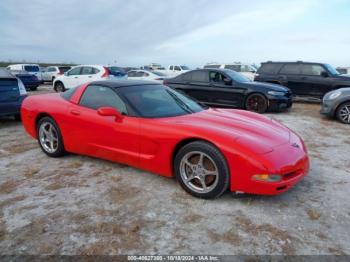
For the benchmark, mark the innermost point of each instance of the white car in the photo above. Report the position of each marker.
(51, 72)
(82, 74)
(146, 75)
(175, 70)
(245, 69)
(33, 69)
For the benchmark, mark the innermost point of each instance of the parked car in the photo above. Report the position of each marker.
(344, 70)
(227, 88)
(12, 94)
(51, 72)
(31, 82)
(175, 70)
(147, 75)
(84, 73)
(245, 69)
(155, 128)
(337, 104)
(153, 66)
(33, 69)
(303, 78)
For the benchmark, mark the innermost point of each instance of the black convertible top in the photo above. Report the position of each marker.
(123, 83)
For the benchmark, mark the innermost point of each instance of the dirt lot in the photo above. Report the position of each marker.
(81, 205)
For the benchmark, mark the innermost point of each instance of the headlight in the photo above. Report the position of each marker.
(276, 93)
(334, 95)
(21, 87)
(267, 177)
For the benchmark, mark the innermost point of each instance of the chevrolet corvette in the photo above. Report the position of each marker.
(154, 128)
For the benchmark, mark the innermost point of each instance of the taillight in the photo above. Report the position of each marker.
(165, 82)
(106, 73)
(159, 79)
(60, 73)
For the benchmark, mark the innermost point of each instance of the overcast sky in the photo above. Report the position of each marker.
(191, 32)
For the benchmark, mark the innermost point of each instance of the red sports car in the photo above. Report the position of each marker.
(152, 127)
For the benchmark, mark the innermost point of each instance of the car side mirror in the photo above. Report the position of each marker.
(227, 81)
(324, 74)
(110, 111)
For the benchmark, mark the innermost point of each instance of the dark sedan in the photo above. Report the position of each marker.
(30, 81)
(227, 88)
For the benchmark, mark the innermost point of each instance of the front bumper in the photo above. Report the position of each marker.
(327, 108)
(289, 160)
(279, 103)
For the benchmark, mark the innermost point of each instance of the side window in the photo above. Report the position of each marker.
(74, 71)
(87, 70)
(139, 74)
(177, 68)
(171, 68)
(131, 74)
(200, 76)
(51, 69)
(95, 97)
(216, 77)
(291, 69)
(145, 74)
(312, 70)
(269, 68)
(95, 70)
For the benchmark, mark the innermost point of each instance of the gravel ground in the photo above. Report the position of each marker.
(82, 205)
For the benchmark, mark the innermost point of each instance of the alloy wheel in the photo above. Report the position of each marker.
(199, 172)
(344, 114)
(48, 137)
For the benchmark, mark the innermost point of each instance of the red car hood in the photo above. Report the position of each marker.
(257, 132)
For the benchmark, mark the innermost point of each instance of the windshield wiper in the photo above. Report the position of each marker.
(181, 103)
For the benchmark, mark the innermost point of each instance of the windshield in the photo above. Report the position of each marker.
(31, 68)
(332, 70)
(155, 101)
(185, 67)
(237, 77)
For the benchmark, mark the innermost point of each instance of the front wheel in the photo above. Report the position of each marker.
(256, 103)
(50, 138)
(59, 87)
(201, 170)
(343, 113)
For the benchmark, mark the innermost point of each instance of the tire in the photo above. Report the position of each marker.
(257, 103)
(56, 147)
(59, 87)
(343, 113)
(191, 172)
(33, 88)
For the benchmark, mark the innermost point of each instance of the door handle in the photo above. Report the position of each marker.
(304, 78)
(89, 76)
(75, 77)
(75, 112)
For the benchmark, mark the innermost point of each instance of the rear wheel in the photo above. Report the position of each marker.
(50, 138)
(201, 170)
(59, 87)
(343, 113)
(256, 103)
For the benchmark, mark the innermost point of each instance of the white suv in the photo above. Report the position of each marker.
(245, 69)
(51, 72)
(82, 74)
